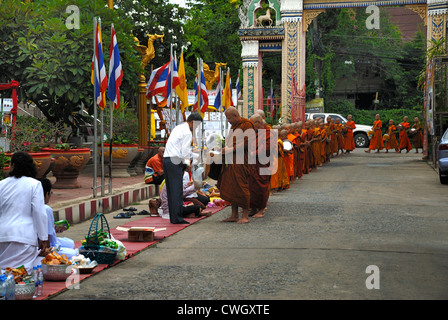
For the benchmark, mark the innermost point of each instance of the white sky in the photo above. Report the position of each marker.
(179, 2)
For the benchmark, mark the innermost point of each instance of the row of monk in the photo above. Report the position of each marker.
(389, 140)
(313, 144)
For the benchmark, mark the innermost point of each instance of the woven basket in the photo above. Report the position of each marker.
(94, 251)
(101, 254)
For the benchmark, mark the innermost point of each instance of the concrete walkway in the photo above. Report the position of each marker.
(320, 239)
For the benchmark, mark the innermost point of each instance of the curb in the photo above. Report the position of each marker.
(87, 209)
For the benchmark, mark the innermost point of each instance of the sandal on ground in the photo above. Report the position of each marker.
(143, 212)
(122, 215)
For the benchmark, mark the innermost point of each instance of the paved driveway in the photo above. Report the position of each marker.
(386, 213)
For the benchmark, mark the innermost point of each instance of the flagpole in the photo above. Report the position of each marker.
(174, 91)
(95, 127)
(220, 103)
(102, 138)
(111, 133)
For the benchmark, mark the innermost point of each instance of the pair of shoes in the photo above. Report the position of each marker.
(130, 211)
(143, 212)
(122, 215)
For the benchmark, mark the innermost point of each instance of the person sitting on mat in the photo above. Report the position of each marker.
(65, 245)
(154, 168)
(196, 196)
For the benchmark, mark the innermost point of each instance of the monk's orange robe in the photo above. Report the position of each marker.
(260, 182)
(377, 141)
(233, 182)
(309, 137)
(334, 140)
(417, 139)
(304, 156)
(317, 147)
(403, 136)
(279, 179)
(349, 141)
(323, 145)
(340, 137)
(291, 161)
(392, 143)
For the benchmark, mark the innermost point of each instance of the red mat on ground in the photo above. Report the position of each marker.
(53, 287)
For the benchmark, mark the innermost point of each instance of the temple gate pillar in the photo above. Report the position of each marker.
(293, 58)
(251, 79)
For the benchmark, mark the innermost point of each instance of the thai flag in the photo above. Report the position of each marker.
(158, 81)
(115, 71)
(203, 97)
(238, 87)
(173, 75)
(100, 76)
(218, 98)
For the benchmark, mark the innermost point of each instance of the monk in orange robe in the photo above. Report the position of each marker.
(324, 142)
(349, 141)
(293, 156)
(288, 157)
(301, 149)
(418, 135)
(306, 149)
(403, 135)
(339, 136)
(377, 141)
(392, 142)
(309, 140)
(279, 179)
(233, 182)
(317, 145)
(260, 182)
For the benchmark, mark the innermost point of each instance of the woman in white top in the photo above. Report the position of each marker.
(23, 220)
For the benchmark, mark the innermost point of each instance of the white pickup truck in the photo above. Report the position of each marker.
(360, 134)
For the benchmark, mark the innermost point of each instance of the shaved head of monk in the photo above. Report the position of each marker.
(261, 113)
(257, 120)
(232, 115)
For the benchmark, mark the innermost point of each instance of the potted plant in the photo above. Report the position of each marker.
(30, 134)
(124, 141)
(68, 163)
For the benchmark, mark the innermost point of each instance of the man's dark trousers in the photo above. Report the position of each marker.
(174, 172)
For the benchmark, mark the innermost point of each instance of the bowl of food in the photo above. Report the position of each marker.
(25, 291)
(56, 272)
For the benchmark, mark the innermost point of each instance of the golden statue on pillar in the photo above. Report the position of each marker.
(212, 76)
(148, 53)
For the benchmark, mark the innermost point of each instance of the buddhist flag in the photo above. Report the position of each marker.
(181, 89)
(99, 70)
(227, 97)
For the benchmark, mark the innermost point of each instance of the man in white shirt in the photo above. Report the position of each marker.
(23, 220)
(177, 155)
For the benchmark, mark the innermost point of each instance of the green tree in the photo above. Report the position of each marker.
(52, 62)
(344, 44)
(211, 30)
(155, 17)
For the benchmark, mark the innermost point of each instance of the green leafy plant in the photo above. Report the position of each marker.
(4, 162)
(125, 126)
(32, 134)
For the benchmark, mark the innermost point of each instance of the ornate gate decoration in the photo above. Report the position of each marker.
(290, 21)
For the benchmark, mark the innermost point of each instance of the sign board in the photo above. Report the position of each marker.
(314, 106)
